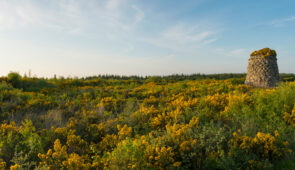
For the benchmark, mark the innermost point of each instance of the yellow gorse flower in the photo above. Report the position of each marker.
(263, 144)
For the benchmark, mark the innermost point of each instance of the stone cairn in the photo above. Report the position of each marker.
(263, 69)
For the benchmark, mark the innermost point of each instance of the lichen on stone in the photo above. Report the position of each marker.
(264, 52)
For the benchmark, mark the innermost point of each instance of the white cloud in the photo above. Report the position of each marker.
(240, 52)
(209, 41)
(184, 37)
(113, 4)
(71, 16)
(115, 27)
(111, 19)
(182, 33)
(234, 54)
(60, 15)
(291, 18)
(282, 22)
(139, 15)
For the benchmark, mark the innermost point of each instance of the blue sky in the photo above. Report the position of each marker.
(142, 37)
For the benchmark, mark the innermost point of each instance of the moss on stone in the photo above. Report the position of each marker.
(264, 52)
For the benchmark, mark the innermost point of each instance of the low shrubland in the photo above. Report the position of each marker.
(145, 123)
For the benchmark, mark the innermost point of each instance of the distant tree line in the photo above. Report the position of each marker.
(36, 84)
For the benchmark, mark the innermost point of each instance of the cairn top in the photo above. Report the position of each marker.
(265, 52)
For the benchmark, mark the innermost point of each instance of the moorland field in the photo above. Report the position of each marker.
(171, 122)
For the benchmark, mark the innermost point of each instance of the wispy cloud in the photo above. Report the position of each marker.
(72, 16)
(114, 4)
(282, 22)
(209, 41)
(240, 52)
(112, 19)
(186, 34)
(112, 33)
(139, 15)
(63, 15)
(185, 37)
(233, 53)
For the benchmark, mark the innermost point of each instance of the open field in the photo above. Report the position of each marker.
(147, 85)
(192, 122)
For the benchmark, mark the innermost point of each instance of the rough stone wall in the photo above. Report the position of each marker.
(262, 71)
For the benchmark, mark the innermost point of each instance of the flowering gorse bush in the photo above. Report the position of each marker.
(149, 123)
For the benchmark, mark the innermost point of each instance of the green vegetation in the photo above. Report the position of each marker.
(265, 52)
(172, 122)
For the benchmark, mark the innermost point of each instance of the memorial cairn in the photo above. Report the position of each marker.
(262, 69)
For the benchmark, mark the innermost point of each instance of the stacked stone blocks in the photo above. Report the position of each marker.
(262, 69)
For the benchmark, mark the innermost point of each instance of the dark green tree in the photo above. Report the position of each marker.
(14, 79)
